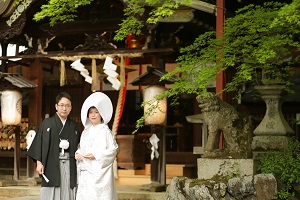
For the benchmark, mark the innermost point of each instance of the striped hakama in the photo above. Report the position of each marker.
(64, 192)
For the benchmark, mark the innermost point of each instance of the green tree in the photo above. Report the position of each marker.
(252, 45)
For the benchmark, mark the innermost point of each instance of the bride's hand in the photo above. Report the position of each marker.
(78, 156)
(89, 156)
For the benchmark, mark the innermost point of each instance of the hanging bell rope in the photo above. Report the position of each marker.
(119, 108)
(121, 98)
(62, 73)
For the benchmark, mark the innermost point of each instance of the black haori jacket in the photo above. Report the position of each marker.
(45, 148)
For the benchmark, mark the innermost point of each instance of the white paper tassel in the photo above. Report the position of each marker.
(111, 73)
(154, 149)
(109, 65)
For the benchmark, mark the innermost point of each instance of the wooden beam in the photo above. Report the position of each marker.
(86, 54)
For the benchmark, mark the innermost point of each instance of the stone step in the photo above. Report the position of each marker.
(32, 193)
(171, 170)
(135, 180)
(176, 170)
(125, 176)
(142, 176)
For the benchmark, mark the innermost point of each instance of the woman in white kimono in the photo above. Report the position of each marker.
(97, 151)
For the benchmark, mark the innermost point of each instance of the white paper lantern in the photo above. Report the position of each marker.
(11, 107)
(160, 113)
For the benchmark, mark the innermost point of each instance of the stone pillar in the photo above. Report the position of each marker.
(273, 131)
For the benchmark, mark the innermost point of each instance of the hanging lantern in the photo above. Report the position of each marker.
(11, 107)
(159, 114)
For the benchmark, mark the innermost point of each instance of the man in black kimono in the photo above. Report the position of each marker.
(53, 149)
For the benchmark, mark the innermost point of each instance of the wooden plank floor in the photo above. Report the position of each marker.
(143, 176)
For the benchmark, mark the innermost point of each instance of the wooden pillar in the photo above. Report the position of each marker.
(4, 46)
(158, 166)
(154, 175)
(220, 82)
(162, 154)
(17, 153)
(35, 104)
(220, 20)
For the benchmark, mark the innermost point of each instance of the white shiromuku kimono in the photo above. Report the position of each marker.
(95, 177)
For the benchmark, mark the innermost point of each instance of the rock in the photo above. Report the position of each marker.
(241, 187)
(259, 187)
(175, 190)
(265, 186)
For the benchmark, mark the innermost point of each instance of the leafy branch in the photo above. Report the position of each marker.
(60, 10)
(151, 110)
(136, 17)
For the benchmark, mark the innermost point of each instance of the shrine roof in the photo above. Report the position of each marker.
(17, 80)
(152, 77)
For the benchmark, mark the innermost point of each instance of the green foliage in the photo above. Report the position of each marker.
(129, 25)
(256, 49)
(60, 10)
(136, 11)
(135, 17)
(153, 105)
(150, 111)
(289, 14)
(236, 173)
(285, 166)
(197, 66)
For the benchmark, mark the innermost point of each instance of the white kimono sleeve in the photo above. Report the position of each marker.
(107, 155)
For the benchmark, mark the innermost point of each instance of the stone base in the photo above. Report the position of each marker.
(269, 142)
(258, 155)
(208, 168)
(27, 182)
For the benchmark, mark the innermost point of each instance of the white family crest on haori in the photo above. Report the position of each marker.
(29, 138)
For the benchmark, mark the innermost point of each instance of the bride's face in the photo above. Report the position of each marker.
(94, 116)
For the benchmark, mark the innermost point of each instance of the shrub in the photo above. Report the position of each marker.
(285, 166)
